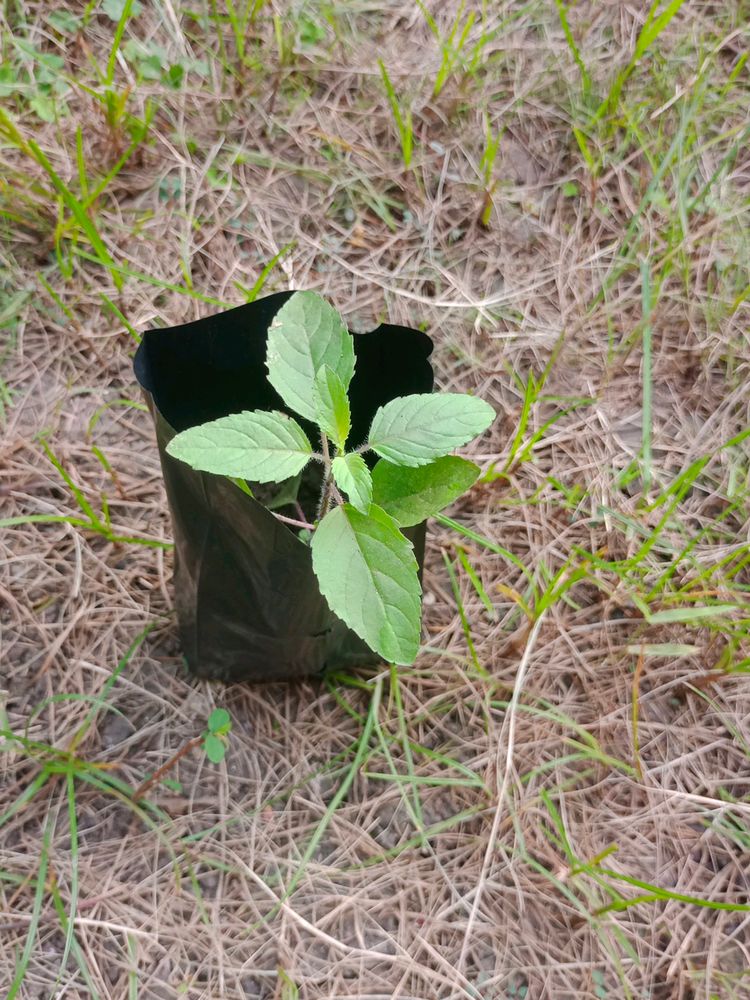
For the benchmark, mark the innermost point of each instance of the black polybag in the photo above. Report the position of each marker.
(247, 600)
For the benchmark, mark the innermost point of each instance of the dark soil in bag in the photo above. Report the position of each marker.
(247, 600)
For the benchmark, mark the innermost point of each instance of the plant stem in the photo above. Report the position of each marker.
(293, 522)
(149, 783)
(325, 496)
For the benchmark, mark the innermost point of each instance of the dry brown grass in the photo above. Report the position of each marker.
(489, 902)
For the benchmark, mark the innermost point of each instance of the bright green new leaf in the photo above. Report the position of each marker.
(259, 446)
(410, 495)
(219, 721)
(367, 572)
(332, 411)
(413, 430)
(306, 334)
(215, 748)
(353, 477)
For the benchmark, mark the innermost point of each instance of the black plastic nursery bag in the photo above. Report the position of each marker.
(247, 600)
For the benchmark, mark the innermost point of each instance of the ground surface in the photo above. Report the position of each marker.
(555, 801)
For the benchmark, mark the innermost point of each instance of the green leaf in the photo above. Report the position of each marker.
(310, 32)
(306, 334)
(413, 430)
(114, 8)
(64, 22)
(259, 446)
(215, 748)
(332, 411)
(353, 477)
(287, 493)
(410, 495)
(174, 75)
(219, 721)
(367, 572)
(43, 107)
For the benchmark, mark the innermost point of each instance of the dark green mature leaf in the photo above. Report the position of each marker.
(353, 477)
(306, 334)
(367, 572)
(259, 446)
(332, 411)
(410, 495)
(413, 430)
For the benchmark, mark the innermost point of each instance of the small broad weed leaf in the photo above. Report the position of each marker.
(64, 22)
(414, 430)
(410, 495)
(114, 9)
(367, 572)
(219, 721)
(332, 412)
(306, 334)
(353, 477)
(255, 445)
(215, 748)
(43, 107)
(310, 32)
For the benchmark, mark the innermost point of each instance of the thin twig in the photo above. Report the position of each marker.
(509, 723)
(158, 774)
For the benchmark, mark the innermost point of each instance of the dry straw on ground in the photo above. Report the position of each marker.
(469, 858)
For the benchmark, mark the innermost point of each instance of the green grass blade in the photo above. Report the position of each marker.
(79, 213)
(73, 830)
(27, 794)
(403, 121)
(67, 925)
(359, 758)
(36, 912)
(655, 893)
(119, 31)
(107, 687)
(472, 574)
(481, 672)
(647, 377)
(115, 310)
(486, 543)
(251, 294)
(562, 12)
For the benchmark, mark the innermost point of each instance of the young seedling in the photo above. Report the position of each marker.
(213, 741)
(365, 565)
(219, 726)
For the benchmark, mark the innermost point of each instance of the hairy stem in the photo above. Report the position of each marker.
(159, 773)
(293, 521)
(326, 493)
